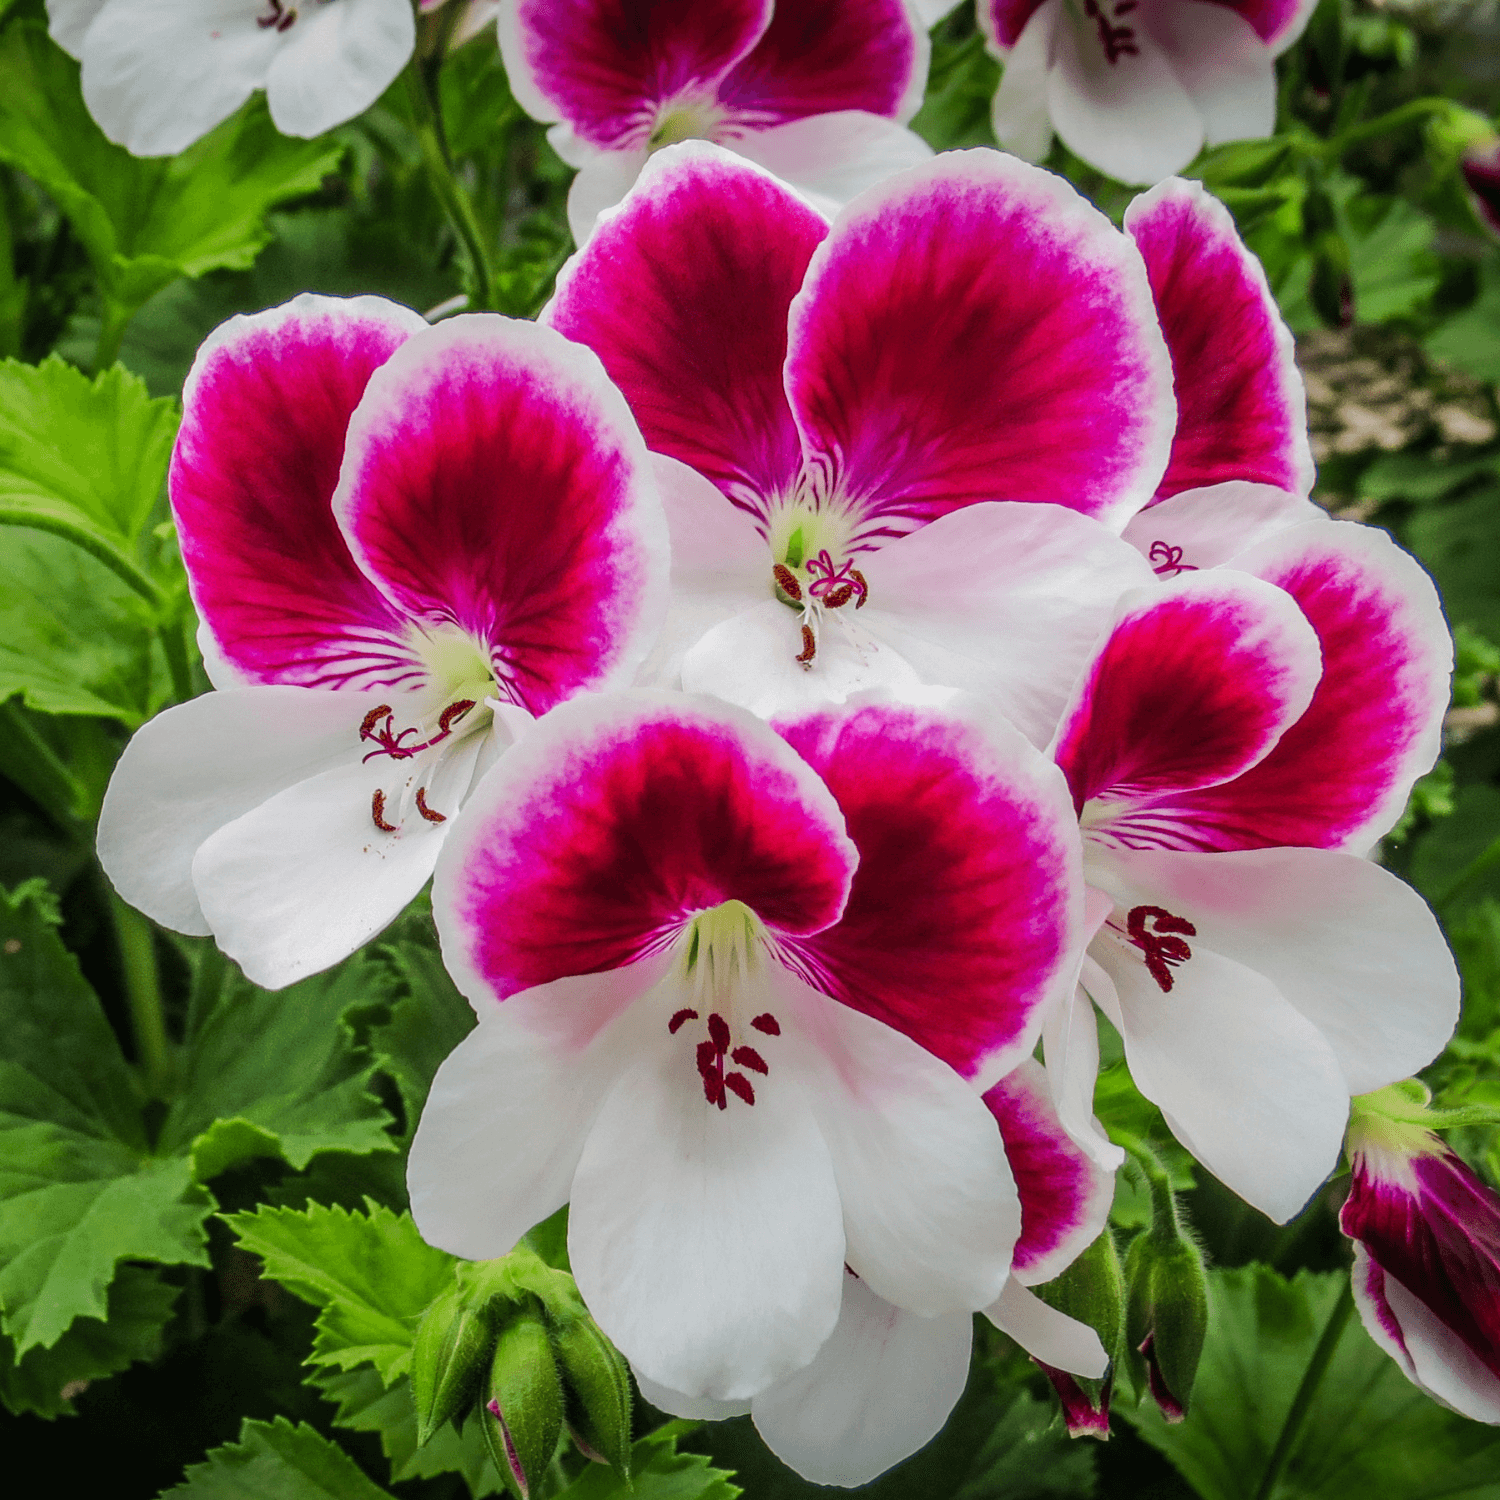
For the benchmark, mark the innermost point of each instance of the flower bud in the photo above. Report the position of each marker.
(598, 1391)
(1480, 166)
(1166, 1313)
(449, 1358)
(524, 1401)
(1092, 1290)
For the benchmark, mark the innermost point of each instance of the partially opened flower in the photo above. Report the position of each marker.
(886, 1380)
(403, 542)
(818, 91)
(904, 445)
(1257, 986)
(1137, 87)
(736, 998)
(157, 74)
(1426, 1260)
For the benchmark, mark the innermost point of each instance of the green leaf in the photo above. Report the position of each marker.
(961, 87)
(274, 1074)
(657, 1472)
(277, 1461)
(371, 1274)
(1460, 545)
(1420, 477)
(144, 222)
(1452, 847)
(45, 1381)
(1370, 1434)
(79, 1189)
(1467, 340)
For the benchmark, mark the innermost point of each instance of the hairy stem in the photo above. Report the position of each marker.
(148, 1022)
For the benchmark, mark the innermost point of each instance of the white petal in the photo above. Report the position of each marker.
(68, 20)
(604, 177)
(203, 764)
(930, 1207)
(691, 1408)
(834, 157)
(1130, 118)
(1347, 943)
(511, 1106)
(1006, 600)
(304, 879)
(341, 56)
(1222, 63)
(1213, 524)
(1053, 1337)
(1019, 113)
(708, 1243)
(752, 660)
(879, 1389)
(1444, 1364)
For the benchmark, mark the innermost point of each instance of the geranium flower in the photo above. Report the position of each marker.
(1480, 166)
(157, 74)
(403, 542)
(1257, 986)
(886, 1380)
(1137, 87)
(736, 1000)
(818, 91)
(903, 445)
(1426, 1261)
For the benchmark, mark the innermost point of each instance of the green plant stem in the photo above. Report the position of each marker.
(40, 772)
(175, 650)
(1406, 114)
(92, 542)
(148, 1022)
(111, 334)
(1468, 875)
(1158, 1180)
(1317, 1367)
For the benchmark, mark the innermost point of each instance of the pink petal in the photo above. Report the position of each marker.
(616, 818)
(965, 906)
(1065, 1196)
(1242, 410)
(1003, 21)
(818, 56)
(494, 479)
(1278, 23)
(683, 293)
(1340, 776)
(605, 65)
(974, 330)
(1198, 679)
(265, 408)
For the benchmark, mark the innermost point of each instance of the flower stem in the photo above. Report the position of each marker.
(42, 774)
(1317, 1367)
(111, 334)
(148, 1023)
(1158, 1180)
(1408, 114)
(175, 650)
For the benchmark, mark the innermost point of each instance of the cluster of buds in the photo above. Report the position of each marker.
(512, 1339)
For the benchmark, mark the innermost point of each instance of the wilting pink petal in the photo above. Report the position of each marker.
(941, 353)
(819, 56)
(265, 408)
(1197, 681)
(964, 908)
(1065, 1195)
(683, 294)
(494, 481)
(608, 66)
(1241, 407)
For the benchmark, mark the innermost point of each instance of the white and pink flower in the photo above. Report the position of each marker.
(403, 543)
(818, 91)
(1137, 87)
(738, 992)
(897, 449)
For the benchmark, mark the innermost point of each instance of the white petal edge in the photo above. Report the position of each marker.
(1051, 1336)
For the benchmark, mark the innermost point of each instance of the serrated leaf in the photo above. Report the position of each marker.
(371, 1274)
(274, 1073)
(277, 1461)
(45, 1380)
(657, 1472)
(1369, 1434)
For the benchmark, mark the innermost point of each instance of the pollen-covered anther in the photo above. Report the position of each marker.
(427, 812)
(809, 648)
(1159, 935)
(449, 714)
(861, 588)
(839, 597)
(786, 581)
(680, 1019)
(767, 1023)
(377, 812)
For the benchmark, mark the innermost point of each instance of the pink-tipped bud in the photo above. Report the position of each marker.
(1086, 1415)
(1481, 172)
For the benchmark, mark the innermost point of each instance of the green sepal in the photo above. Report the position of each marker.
(1092, 1290)
(1166, 1315)
(523, 1402)
(598, 1390)
(449, 1358)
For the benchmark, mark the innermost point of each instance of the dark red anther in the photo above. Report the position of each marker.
(371, 719)
(449, 714)
(860, 585)
(767, 1023)
(718, 1031)
(786, 581)
(809, 647)
(709, 1058)
(377, 811)
(739, 1084)
(839, 597)
(1117, 41)
(1161, 947)
(679, 1020)
(748, 1057)
(427, 812)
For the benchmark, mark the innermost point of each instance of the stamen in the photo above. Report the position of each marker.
(739, 1084)
(748, 1057)
(786, 581)
(767, 1023)
(1117, 41)
(377, 811)
(449, 714)
(718, 1031)
(427, 812)
(809, 648)
(861, 585)
(680, 1019)
(371, 719)
(839, 597)
(1161, 949)
(1170, 560)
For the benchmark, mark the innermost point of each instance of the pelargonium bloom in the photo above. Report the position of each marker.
(818, 91)
(1480, 167)
(1137, 87)
(896, 449)
(157, 74)
(1224, 750)
(737, 994)
(1426, 1261)
(403, 543)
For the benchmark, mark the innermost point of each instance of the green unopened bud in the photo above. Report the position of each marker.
(449, 1357)
(1092, 1290)
(1167, 1306)
(524, 1402)
(598, 1391)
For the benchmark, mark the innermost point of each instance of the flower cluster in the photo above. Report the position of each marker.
(829, 654)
